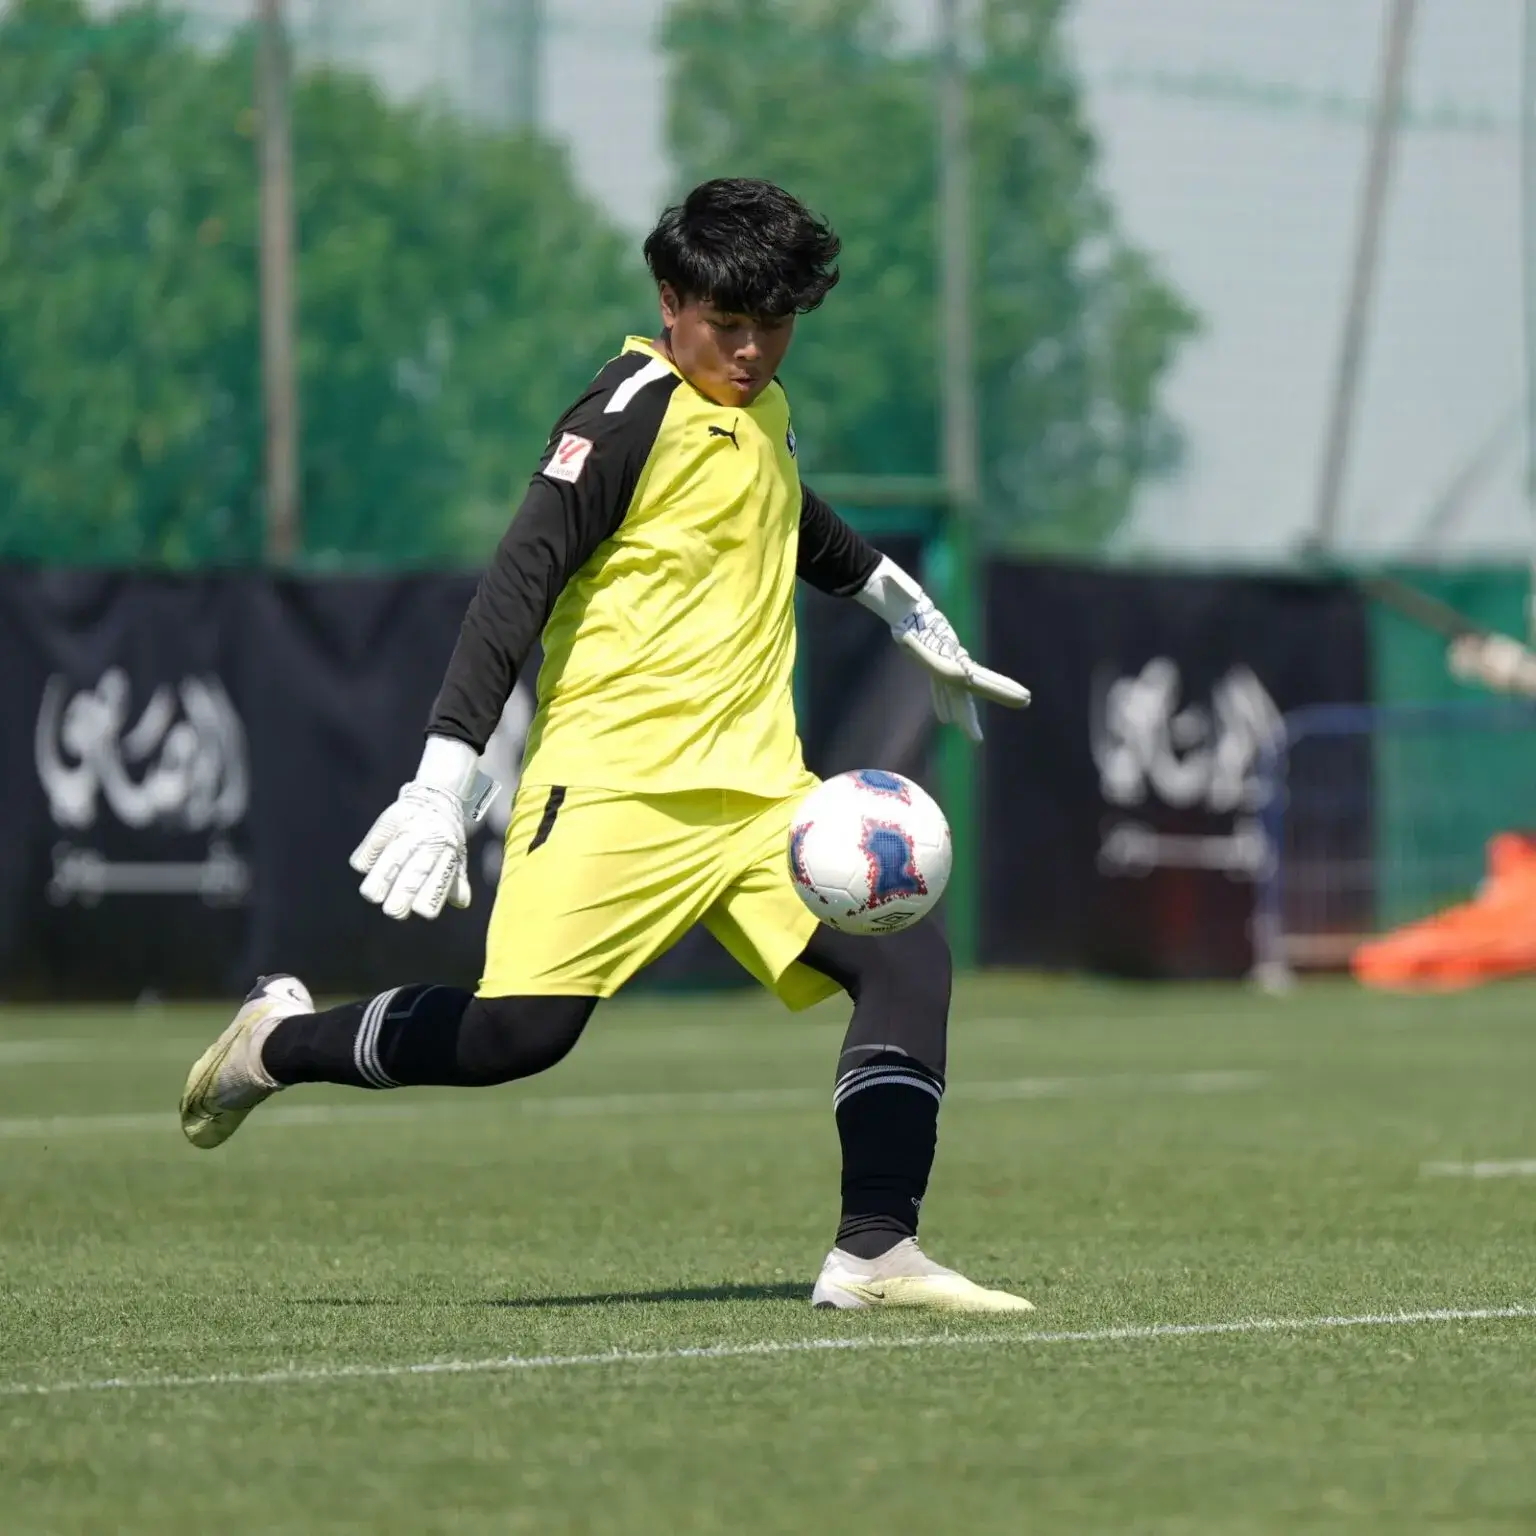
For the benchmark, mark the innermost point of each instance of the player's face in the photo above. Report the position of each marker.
(730, 358)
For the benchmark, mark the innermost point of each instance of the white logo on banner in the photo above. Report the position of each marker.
(180, 766)
(503, 760)
(1150, 747)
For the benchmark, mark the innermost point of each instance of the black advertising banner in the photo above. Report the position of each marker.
(125, 775)
(1123, 810)
(186, 764)
(338, 681)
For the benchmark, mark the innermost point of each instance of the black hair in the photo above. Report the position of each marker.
(747, 247)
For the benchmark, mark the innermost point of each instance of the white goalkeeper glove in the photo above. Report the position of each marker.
(416, 855)
(1498, 662)
(919, 627)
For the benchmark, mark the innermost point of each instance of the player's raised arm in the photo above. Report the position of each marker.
(414, 857)
(835, 558)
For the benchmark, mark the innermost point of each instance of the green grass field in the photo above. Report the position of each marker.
(609, 1266)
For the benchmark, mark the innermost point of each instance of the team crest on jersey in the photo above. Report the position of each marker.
(566, 462)
(789, 441)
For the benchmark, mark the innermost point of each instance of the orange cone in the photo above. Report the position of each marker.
(1489, 937)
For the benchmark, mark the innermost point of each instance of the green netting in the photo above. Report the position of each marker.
(1443, 791)
(457, 286)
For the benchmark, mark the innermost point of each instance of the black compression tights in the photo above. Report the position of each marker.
(426, 1034)
(890, 1073)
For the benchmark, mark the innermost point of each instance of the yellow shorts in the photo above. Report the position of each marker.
(597, 883)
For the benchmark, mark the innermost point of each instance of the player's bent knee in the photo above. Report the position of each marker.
(915, 964)
(505, 1038)
(901, 984)
(921, 960)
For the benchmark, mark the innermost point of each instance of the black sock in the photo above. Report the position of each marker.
(421, 1035)
(406, 1036)
(887, 1111)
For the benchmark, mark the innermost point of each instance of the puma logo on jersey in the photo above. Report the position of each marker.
(721, 432)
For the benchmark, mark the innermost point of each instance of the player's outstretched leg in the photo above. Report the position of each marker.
(413, 1036)
(890, 1082)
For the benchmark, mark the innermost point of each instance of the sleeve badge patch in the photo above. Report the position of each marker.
(566, 462)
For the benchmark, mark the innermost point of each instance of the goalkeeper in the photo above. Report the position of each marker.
(656, 550)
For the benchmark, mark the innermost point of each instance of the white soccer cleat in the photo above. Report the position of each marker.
(905, 1277)
(228, 1080)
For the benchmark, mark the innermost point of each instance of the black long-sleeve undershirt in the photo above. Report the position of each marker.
(834, 558)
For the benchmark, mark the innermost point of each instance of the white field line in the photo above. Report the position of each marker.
(704, 1102)
(33, 1053)
(1115, 1082)
(1521, 1168)
(808, 1098)
(165, 1120)
(70, 1051)
(294, 1375)
(613, 1035)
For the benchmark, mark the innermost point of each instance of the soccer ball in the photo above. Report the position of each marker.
(869, 852)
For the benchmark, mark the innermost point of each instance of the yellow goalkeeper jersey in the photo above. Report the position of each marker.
(657, 549)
